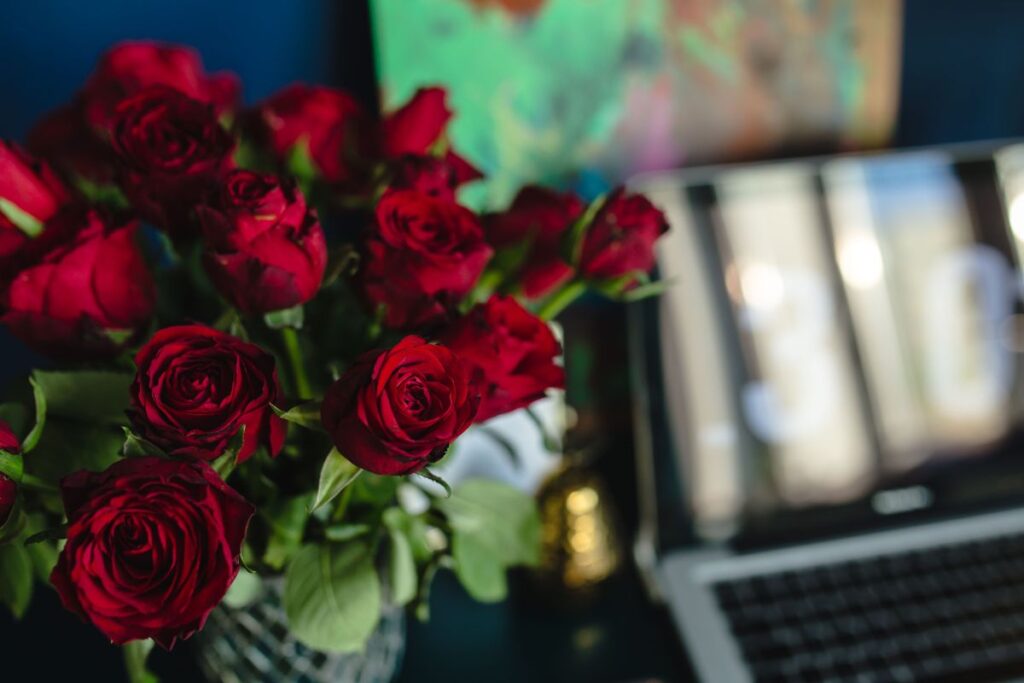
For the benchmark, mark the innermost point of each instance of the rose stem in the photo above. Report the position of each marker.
(291, 345)
(560, 299)
(339, 512)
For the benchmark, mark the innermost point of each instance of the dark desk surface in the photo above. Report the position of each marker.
(619, 636)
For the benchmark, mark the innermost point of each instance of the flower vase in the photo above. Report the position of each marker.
(252, 644)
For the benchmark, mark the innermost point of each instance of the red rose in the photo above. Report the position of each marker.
(30, 195)
(621, 239)
(514, 350)
(431, 175)
(425, 254)
(266, 249)
(331, 122)
(172, 148)
(85, 296)
(396, 411)
(152, 547)
(8, 489)
(417, 126)
(541, 216)
(75, 136)
(195, 388)
(130, 67)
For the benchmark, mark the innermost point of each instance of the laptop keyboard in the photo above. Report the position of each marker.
(947, 613)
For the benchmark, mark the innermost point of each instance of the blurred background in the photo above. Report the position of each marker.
(581, 94)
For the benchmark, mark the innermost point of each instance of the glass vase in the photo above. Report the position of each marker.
(252, 644)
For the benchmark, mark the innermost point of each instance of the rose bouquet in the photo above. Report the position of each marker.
(258, 328)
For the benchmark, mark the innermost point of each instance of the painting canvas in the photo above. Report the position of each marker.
(586, 92)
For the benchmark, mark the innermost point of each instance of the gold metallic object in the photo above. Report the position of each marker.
(580, 544)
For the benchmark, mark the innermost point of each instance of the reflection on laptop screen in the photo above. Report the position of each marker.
(843, 333)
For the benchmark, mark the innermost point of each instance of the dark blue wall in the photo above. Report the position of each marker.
(963, 64)
(47, 48)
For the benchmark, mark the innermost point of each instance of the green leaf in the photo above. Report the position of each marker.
(44, 558)
(493, 526)
(415, 530)
(89, 395)
(24, 221)
(497, 516)
(14, 525)
(288, 317)
(135, 446)
(287, 521)
(306, 414)
(337, 473)
(479, 570)
(300, 163)
(251, 156)
(15, 578)
(31, 439)
(135, 655)
(374, 489)
(226, 464)
(332, 596)
(401, 563)
(97, 193)
(53, 534)
(245, 590)
(346, 532)
(67, 446)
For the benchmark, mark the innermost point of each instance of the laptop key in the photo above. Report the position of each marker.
(887, 619)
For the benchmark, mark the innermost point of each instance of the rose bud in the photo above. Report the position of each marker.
(331, 122)
(621, 239)
(418, 125)
(152, 547)
(396, 411)
(514, 351)
(30, 195)
(195, 388)
(87, 295)
(8, 488)
(133, 66)
(416, 129)
(425, 254)
(172, 148)
(266, 249)
(431, 175)
(541, 216)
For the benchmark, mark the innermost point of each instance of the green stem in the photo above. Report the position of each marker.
(561, 299)
(343, 499)
(135, 654)
(291, 345)
(36, 484)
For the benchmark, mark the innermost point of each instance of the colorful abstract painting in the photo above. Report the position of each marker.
(586, 92)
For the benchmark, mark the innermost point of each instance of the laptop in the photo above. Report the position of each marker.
(831, 417)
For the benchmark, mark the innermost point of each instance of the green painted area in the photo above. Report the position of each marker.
(602, 87)
(535, 100)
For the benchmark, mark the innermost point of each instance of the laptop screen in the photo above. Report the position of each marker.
(843, 339)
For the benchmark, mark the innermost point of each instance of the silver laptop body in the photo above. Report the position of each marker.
(834, 375)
